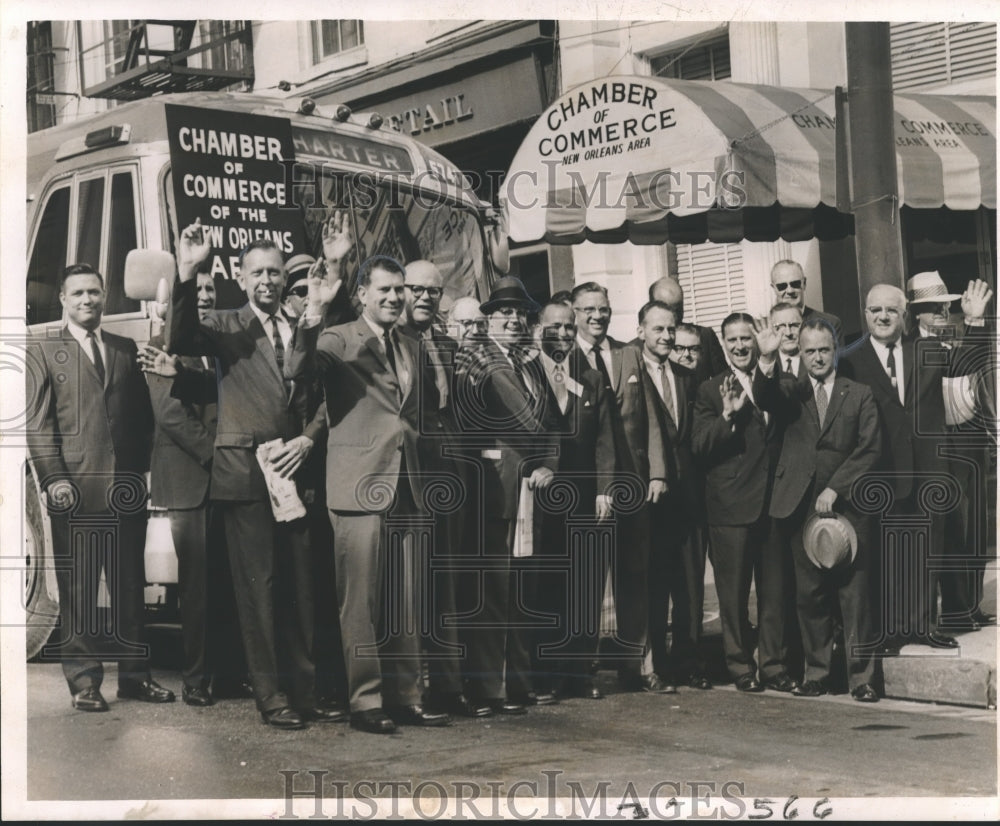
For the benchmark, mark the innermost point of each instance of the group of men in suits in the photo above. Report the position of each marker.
(480, 490)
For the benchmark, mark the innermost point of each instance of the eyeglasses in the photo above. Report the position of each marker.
(301, 291)
(893, 311)
(594, 310)
(694, 349)
(781, 286)
(418, 290)
(466, 323)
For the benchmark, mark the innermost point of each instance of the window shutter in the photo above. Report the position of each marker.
(925, 55)
(711, 276)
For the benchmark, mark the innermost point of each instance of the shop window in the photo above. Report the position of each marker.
(48, 259)
(331, 37)
(711, 276)
(698, 61)
(927, 55)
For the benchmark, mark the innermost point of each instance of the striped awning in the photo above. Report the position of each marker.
(649, 159)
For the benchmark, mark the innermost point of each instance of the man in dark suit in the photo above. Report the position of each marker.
(675, 564)
(376, 398)
(738, 445)
(424, 287)
(641, 460)
(911, 411)
(968, 351)
(831, 438)
(270, 560)
(789, 284)
(713, 359)
(91, 425)
(180, 468)
(500, 408)
(580, 408)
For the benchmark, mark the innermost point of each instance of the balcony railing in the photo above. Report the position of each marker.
(153, 57)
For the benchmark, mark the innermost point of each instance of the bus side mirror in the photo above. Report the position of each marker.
(144, 270)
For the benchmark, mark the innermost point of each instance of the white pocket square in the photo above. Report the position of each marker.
(633, 379)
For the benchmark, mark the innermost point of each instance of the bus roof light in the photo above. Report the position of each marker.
(343, 112)
(307, 106)
(375, 121)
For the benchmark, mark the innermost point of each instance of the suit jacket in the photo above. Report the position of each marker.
(833, 320)
(814, 457)
(183, 439)
(81, 431)
(586, 438)
(374, 421)
(512, 430)
(911, 431)
(254, 405)
(713, 359)
(676, 433)
(738, 457)
(638, 437)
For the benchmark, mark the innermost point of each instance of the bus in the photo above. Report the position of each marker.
(247, 166)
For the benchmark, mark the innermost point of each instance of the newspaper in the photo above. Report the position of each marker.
(524, 542)
(285, 500)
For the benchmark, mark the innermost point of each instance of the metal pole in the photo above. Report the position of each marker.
(871, 142)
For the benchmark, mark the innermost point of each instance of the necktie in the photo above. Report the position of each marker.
(668, 394)
(279, 351)
(559, 388)
(600, 366)
(821, 402)
(890, 364)
(788, 365)
(390, 353)
(518, 364)
(95, 353)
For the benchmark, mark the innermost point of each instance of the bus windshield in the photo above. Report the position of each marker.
(392, 218)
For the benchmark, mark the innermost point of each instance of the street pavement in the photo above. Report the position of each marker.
(769, 746)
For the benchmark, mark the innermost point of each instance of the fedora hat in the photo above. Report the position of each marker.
(297, 267)
(509, 291)
(928, 287)
(829, 540)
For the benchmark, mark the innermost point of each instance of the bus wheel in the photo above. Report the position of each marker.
(41, 597)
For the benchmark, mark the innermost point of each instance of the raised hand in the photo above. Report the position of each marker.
(322, 286)
(975, 300)
(336, 237)
(734, 397)
(192, 249)
(160, 362)
(768, 339)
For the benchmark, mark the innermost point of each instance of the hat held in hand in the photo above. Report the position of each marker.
(829, 540)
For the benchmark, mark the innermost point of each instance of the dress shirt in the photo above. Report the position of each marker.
(80, 334)
(557, 374)
(604, 348)
(795, 364)
(402, 370)
(284, 328)
(657, 370)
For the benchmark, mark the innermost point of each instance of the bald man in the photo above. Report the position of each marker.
(423, 290)
(789, 284)
(910, 404)
(466, 319)
(713, 360)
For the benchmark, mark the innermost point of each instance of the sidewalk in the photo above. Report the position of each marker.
(964, 676)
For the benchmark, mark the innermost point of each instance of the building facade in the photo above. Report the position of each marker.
(473, 89)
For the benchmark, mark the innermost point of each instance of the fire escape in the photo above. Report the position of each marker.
(142, 58)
